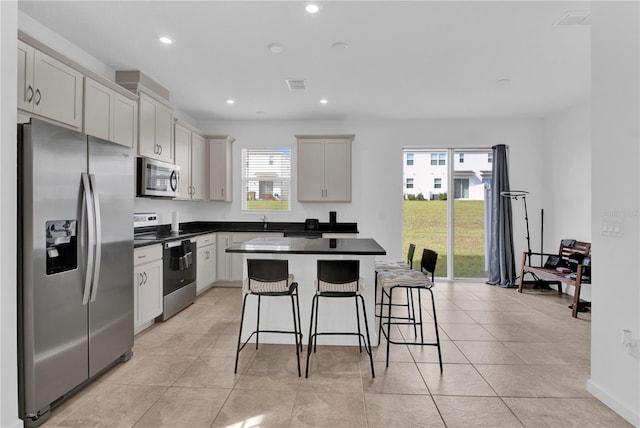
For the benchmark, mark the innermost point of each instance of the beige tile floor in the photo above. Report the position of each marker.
(510, 360)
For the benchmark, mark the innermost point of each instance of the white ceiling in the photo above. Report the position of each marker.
(416, 59)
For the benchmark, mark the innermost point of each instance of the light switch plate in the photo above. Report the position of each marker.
(612, 227)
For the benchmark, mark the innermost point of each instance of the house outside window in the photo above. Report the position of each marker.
(409, 184)
(437, 183)
(490, 157)
(266, 179)
(438, 158)
(461, 158)
(409, 159)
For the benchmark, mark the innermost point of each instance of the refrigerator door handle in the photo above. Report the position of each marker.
(98, 236)
(87, 202)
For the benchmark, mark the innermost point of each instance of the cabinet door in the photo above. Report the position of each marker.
(147, 126)
(337, 170)
(125, 120)
(311, 171)
(58, 90)
(223, 258)
(164, 132)
(206, 269)
(25, 76)
(150, 297)
(216, 171)
(98, 102)
(182, 143)
(199, 176)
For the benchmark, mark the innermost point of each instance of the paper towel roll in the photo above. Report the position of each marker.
(175, 223)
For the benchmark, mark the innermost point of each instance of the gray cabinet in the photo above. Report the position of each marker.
(108, 114)
(155, 128)
(147, 280)
(324, 168)
(220, 171)
(190, 155)
(206, 266)
(48, 87)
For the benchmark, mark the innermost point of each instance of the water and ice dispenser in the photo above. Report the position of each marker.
(62, 248)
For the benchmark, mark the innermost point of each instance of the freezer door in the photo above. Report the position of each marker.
(111, 168)
(52, 319)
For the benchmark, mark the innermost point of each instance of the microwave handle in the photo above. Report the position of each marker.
(173, 180)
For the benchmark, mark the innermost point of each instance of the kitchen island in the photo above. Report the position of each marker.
(302, 253)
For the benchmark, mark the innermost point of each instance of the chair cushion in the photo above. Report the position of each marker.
(253, 286)
(347, 287)
(392, 278)
(391, 265)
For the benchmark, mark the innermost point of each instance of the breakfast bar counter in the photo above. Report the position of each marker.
(303, 253)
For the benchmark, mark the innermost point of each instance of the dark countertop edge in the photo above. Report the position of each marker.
(316, 252)
(197, 228)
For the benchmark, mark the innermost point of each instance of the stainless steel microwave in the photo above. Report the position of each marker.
(157, 178)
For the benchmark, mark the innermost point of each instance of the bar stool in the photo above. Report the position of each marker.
(422, 280)
(270, 278)
(338, 279)
(385, 265)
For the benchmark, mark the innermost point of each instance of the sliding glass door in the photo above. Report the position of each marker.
(444, 207)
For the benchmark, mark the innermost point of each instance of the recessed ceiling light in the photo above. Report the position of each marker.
(275, 48)
(167, 40)
(340, 45)
(503, 82)
(312, 8)
(324, 101)
(229, 101)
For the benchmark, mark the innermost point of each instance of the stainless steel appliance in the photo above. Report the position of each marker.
(75, 259)
(157, 178)
(178, 276)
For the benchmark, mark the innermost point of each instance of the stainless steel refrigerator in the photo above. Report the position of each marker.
(75, 256)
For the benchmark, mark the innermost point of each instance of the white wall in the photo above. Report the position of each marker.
(566, 174)
(377, 167)
(8, 174)
(615, 128)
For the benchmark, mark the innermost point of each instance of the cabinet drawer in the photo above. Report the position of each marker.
(147, 254)
(207, 239)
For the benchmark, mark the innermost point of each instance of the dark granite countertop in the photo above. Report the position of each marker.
(353, 246)
(144, 236)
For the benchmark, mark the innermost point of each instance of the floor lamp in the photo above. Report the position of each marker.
(522, 194)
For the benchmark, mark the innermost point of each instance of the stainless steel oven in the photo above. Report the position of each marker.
(157, 178)
(179, 276)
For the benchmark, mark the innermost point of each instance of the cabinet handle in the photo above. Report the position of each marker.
(39, 95)
(145, 277)
(30, 93)
(159, 149)
(139, 279)
(142, 256)
(193, 190)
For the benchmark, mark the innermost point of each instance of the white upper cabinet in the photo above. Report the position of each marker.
(199, 176)
(108, 114)
(324, 168)
(220, 173)
(48, 87)
(155, 128)
(191, 157)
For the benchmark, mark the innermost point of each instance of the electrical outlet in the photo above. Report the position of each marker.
(630, 342)
(612, 227)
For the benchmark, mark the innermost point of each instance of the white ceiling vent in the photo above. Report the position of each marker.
(574, 17)
(296, 84)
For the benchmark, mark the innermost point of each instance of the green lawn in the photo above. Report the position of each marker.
(268, 205)
(425, 224)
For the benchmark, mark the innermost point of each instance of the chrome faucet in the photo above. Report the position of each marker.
(264, 222)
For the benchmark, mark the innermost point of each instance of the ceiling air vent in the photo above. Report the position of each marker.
(296, 84)
(574, 17)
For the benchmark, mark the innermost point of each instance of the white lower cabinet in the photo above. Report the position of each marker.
(147, 279)
(230, 265)
(206, 266)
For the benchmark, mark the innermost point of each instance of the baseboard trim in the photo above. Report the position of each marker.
(613, 403)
